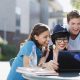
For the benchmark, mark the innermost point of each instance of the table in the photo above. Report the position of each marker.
(63, 76)
(42, 74)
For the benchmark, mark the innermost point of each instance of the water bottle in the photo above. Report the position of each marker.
(33, 57)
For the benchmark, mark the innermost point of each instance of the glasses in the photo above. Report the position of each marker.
(59, 40)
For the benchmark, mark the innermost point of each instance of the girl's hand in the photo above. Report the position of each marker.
(55, 64)
(42, 60)
(51, 65)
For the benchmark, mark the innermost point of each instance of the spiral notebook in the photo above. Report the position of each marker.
(35, 71)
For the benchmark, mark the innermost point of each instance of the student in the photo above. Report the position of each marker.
(39, 37)
(60, 39)
(73, 20)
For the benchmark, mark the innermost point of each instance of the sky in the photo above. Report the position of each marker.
(65, 5)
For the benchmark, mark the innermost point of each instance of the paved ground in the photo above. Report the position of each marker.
(4, 70)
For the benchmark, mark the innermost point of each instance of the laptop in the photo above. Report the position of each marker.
(69, 61)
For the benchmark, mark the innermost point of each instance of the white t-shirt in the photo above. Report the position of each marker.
(74, 44)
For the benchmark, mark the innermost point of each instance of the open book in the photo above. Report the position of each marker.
(35, 71)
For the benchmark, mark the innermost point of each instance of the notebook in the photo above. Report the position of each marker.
(35, 71)
(69, 61)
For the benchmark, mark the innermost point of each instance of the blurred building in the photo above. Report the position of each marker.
(17, 17)
(14, 20)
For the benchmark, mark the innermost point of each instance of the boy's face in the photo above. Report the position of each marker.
(74, 26)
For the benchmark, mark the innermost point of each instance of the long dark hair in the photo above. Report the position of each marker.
(37, 30)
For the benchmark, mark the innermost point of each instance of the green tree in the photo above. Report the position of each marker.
(76, 4)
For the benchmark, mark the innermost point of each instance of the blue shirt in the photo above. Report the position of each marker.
(74, 44)
(18, 62)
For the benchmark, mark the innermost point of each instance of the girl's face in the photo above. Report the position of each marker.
(43, 38)
(61, 43)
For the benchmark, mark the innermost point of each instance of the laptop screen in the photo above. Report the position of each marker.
(69, 61)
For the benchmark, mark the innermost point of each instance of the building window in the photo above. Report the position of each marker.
(17, 20)
(18, 16)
